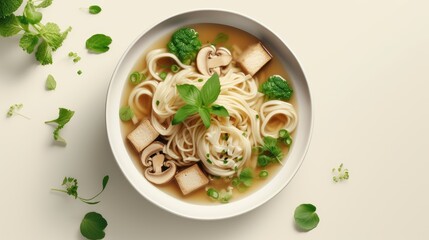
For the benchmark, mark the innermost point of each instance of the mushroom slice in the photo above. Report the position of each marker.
(153, 158)
(209, 60)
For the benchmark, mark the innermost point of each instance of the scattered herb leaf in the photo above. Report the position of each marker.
(14, 110)
(94, 9)
(79, 72)
(64, 117)
(76, 58)
(98, 43)
(93, 225)
(8, 7)
(306, 217)
(50, 84)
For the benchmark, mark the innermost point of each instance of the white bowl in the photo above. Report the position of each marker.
(295, 155)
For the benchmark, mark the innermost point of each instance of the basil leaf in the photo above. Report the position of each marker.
(28, 42)
(9, 26)
(94, 9)
(7, 7)
(183, 113)
(306, 217)
(190, 94)
(98, 43)
(93, 225)
(205, 116)
(211, 90)
(51, 84)
(219, 110)
(31, 14)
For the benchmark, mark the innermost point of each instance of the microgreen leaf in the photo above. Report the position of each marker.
(126, 113)
(210, 90)
(98, 43)
(8, 7)
(50, 84)
(31, 14)
(64, 117)
(28, 42)
(276, 87)
(70, 184)
(9, 26)
(306, 217)
(219, 110)
(94, 9)
(44, 4)
(205, 116)
(183, 113)
(190, 94)
(93, 225)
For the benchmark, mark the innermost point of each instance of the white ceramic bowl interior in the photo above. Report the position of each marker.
(302, 134)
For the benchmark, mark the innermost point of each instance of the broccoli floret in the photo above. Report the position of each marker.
(276, 88)
(185, 44)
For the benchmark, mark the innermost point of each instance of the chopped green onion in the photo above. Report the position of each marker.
(235, 181)
(79, 72)
(157, 102)
(126, 113)
(136, 78)
(213, 193)
(163, 75)
(263, 174)
(174, 68)
(200, 80)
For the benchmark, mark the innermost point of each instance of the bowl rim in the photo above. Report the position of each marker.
(215, 209)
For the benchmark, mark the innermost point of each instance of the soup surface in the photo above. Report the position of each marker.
(236, 41)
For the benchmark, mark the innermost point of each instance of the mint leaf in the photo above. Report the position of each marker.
(44, 4)
(44, 53)
(52, 35)
(183, 113)
(190, 94)
(94, 9)
(211, 90)
(9, 26)
(219, 110)
(50, 84)
(28, 42)
(306, 217)
(93, 225)
(7, 7)
(205, 116)
(98, 43)
(31, 14)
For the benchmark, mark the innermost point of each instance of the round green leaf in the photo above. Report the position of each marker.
(8, 7)
(94, 9)
(93, 225)
(98, 43)
(306, 217)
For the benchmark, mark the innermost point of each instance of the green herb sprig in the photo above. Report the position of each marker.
(200, 102)
(93, 225)
(306, 217)
(46, 38)
(70, 184)
(244, 179)
(64, 117)
(14, 110)
(276, 87)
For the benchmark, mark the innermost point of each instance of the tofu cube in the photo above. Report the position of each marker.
(254, 58)
(191, 179)
(143, 135)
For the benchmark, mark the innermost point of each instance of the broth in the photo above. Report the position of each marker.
(207, 33)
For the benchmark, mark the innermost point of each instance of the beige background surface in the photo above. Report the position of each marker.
(367, 64)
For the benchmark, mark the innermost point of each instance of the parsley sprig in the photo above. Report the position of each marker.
(42, 38)
(70, 187)
(200, 102)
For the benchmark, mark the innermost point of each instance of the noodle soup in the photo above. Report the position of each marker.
(250, 119)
